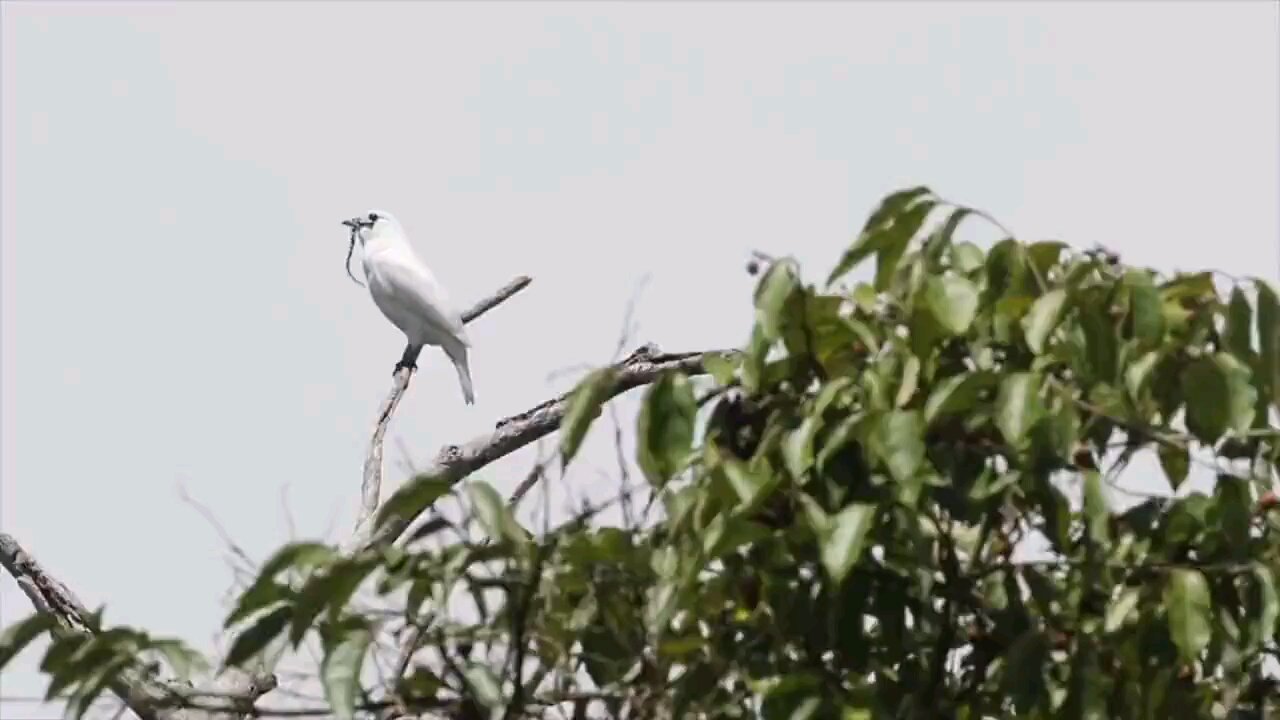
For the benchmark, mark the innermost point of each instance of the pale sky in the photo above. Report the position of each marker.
(174, 304)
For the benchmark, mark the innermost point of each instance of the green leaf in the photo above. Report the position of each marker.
(864, 296)
(956, 395)
(910, 381)
(967, 257)
(1146, 310)
(797, 449)
(1186, 599)
(332, 588)
(941, 238)
(263, 593)
(340, 669)
(775, 290)
(1135, 376)
(17, 636)
(899, 440)
(583, 408)
(894, 203)
(249, 643)
(1232, 508)
(836, 440)
(1018, 406)
(494, 514)
(753, 360)
(1268, 320)
(1119, 611)
(748, 482)
(1101, 342)
(845, 537)
(1008, 272)
(990, 484)
(484, 685)
(720, 367)
(873, 237)
(816, 517)
(299, 556)
(1268, 605)
(412, 498)
(1239, 326)
(1044, 254)
(1176, 463)
(1043, 317)
(93, 685)
(666, 427)
(182, 659)
(421, 684)
(57, 660)
(1096, 513)
(1219, 397)
(953, 302)
(1189, 286)
(896, 239)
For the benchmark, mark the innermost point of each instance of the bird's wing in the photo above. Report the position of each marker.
(414, 286)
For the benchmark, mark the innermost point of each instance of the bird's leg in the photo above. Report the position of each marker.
(409, 359)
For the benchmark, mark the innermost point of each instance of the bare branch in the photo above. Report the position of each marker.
(371, 487)
(149, 699)
(45, 592)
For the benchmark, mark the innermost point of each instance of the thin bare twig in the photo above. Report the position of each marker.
(629, 325)
(290, 524)
(208, 515)
(406, 457)
(624, 474)
(371, 487)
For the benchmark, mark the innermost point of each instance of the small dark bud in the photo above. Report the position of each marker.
(753, 267)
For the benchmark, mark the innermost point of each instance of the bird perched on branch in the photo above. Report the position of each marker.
(406, 291)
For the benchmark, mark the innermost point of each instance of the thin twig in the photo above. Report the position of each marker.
(629, 326)
(290, 524)
(217, 527)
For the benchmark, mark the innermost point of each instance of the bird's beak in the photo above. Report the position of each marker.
(353, 223)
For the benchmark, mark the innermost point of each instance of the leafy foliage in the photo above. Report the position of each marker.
(838, 532)
(82, 666)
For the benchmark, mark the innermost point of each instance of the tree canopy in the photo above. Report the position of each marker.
(897, 500)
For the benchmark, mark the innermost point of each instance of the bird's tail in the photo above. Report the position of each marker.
(457, 353)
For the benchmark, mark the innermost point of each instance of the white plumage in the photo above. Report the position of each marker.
(406, 291)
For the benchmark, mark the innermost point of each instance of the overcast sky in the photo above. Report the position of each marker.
(174, 305)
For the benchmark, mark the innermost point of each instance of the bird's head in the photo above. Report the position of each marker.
(370, 221)
(373, 223)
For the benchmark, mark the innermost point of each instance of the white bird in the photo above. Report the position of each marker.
(406, 291)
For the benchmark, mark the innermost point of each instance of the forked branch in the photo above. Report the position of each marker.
(371, 486)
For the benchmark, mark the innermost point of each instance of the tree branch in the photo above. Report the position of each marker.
(149, 699)
(371, 487)
(455, 462)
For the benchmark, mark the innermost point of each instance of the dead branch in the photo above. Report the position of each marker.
(149, 699)
(371, 486)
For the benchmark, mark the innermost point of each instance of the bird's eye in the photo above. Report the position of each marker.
(373, 217)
